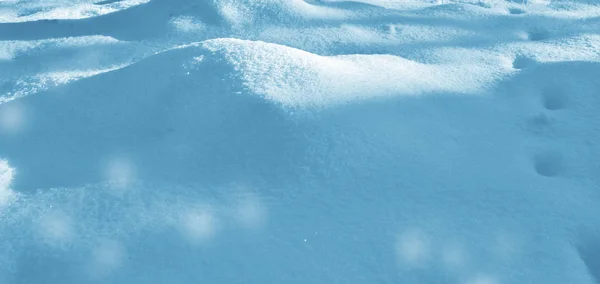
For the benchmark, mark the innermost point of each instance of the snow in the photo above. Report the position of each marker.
(6, 176)
(15, 11)
(296, 78)
(304, 141)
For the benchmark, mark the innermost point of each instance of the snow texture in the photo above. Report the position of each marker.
(300, 141)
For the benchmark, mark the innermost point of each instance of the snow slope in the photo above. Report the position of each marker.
(239, 141)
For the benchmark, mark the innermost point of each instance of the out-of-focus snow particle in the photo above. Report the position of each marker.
(55, 228)
(250, 211)
(120, 172)
(198, 225)
(412, 248)
(106, 257)
(12, 118)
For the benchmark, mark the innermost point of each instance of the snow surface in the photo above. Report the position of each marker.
(300, 141)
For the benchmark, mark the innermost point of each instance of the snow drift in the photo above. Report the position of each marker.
(299, 142)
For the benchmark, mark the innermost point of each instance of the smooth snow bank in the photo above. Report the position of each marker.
(16, 11)
(298, 78)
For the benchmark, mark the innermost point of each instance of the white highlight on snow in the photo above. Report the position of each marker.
(10, 49)
(319, 39)
(6, 177)
(413, 248)
(571, 9)
(55, 228)
(63, 77)
(198, 59)
(198, 225)
(237, 15)
(187, 24)
(36, 10)
(298, 78)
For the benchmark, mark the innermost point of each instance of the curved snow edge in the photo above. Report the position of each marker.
(297, 78)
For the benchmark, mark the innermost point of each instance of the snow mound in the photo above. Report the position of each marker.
(297, 78)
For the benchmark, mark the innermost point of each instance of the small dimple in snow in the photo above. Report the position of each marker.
(540, 121)
(554, 99)
(549, 164)
(540, 124)
(6, 176)
(538, 34)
